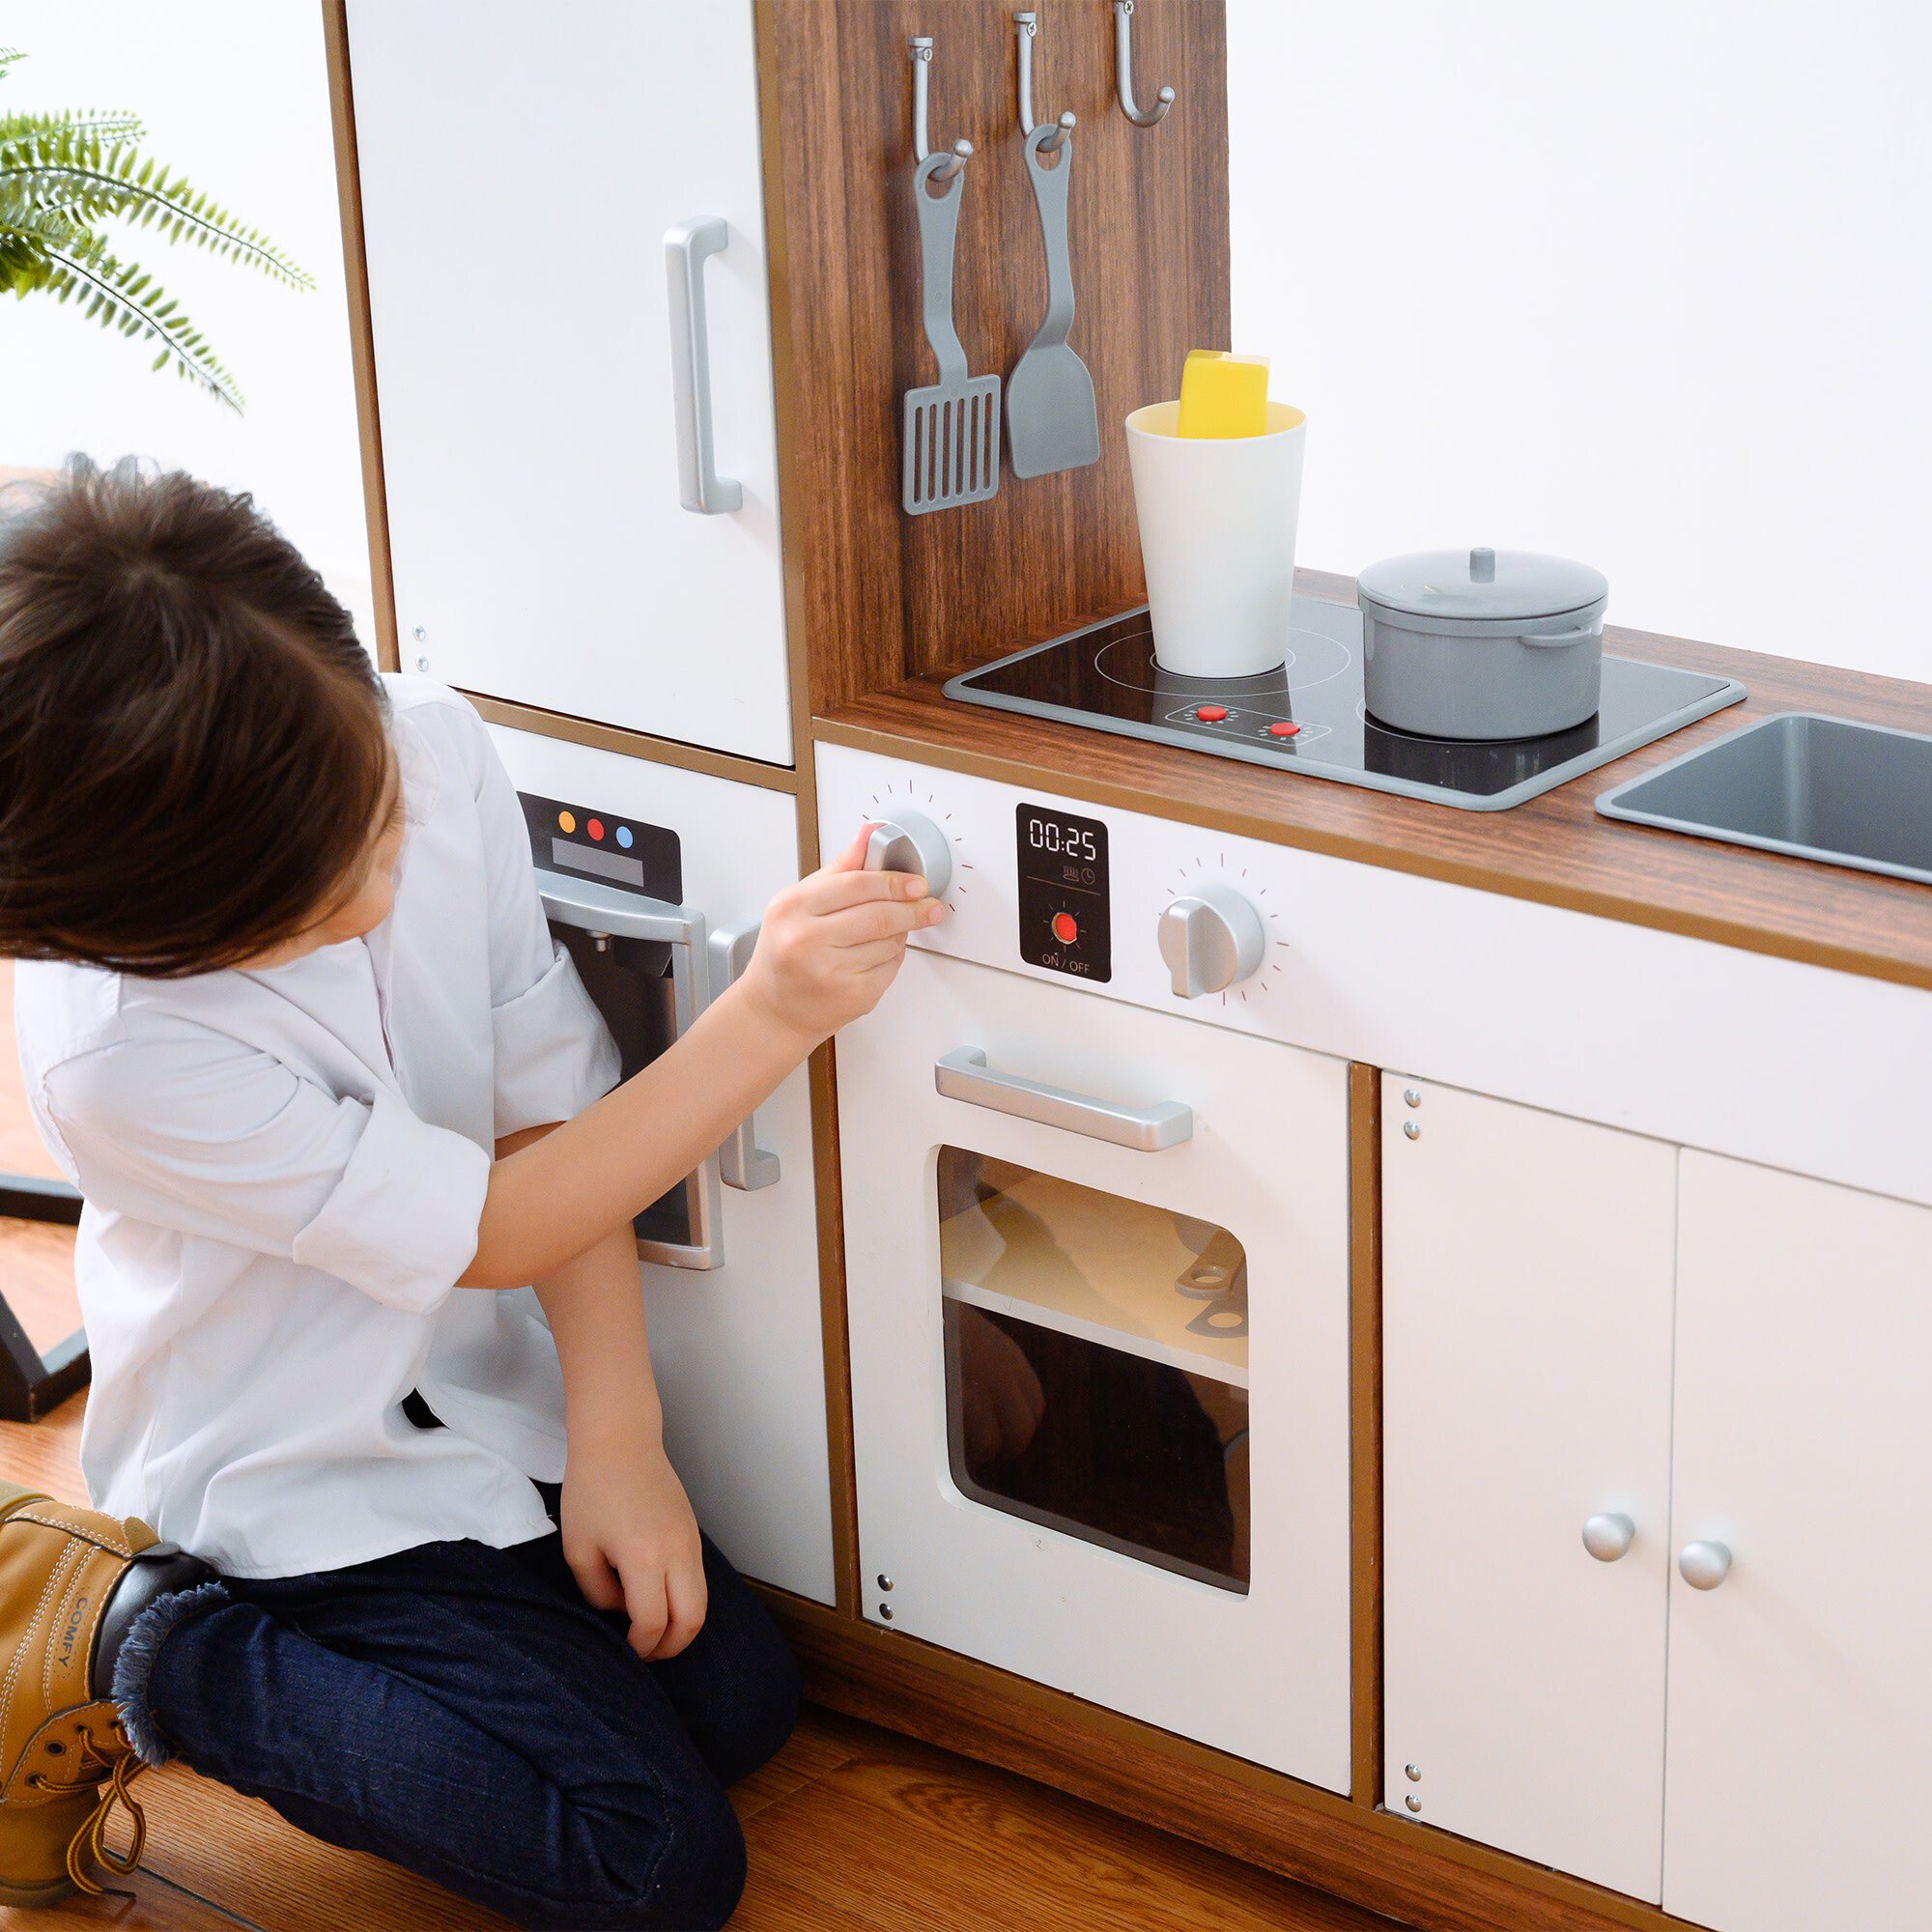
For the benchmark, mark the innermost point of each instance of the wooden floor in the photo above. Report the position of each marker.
(849, 1827)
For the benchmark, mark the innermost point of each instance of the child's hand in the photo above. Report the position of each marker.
(830, 944)
(632, 1542)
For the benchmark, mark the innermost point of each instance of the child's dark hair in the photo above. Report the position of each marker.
(193, 746)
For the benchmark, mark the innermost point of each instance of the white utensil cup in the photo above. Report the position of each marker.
(1217, 518)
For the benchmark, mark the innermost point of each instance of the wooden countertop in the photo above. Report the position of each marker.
(1554, 849)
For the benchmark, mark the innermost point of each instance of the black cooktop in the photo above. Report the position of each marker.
(1308, 717)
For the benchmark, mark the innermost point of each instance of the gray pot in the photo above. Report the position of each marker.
(1482, 643)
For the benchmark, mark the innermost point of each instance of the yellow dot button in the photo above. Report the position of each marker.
(566, 821)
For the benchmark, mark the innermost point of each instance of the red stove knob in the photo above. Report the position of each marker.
(1065, 928)
(1283, 731)
(1211, 714)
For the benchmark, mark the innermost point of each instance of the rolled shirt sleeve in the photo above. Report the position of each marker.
(555, 1055)
(188, 1129)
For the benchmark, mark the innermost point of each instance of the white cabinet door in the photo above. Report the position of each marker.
(1264, 1671)
(1800, 1690)
(1526, 1296)
(738, 1349)
(520, 166)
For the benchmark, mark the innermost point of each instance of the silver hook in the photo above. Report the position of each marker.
(920, 48)
(1025, 27)
(1124, 69)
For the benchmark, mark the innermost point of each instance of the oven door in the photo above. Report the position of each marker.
(1097, 1280)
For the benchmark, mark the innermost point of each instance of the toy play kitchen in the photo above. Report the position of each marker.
(1289, 1319)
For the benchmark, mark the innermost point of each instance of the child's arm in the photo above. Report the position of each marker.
(830, 947)
(629, 1534)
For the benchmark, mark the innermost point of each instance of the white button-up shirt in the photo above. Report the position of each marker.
(283, 1173)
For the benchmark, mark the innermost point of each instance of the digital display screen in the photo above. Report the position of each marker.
(1065, 920)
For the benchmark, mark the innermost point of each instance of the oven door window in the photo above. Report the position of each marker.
(1096, 1365)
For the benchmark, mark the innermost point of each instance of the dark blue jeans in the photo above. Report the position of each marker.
(461, 1711)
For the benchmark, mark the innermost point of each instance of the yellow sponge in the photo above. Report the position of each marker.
(1223, 395)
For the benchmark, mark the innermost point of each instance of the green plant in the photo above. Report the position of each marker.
(63, 175)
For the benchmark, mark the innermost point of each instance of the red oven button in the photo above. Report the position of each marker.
(1211, 714)
(1065, 928)
(1283, 731)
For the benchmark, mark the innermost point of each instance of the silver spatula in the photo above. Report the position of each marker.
(953, 427)
(1051, 421)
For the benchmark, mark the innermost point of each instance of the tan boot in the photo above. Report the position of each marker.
(67, 1575)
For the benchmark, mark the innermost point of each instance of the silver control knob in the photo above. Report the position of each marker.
(1704, 1565)
(1209, 940)
(911, 843)
(1609, 1536)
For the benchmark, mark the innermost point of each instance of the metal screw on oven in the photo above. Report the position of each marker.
(1412, 1095)
(886, 1612)
(1412, 1128)
(422, 664)
(420, 635)
(600, 942)
(1413, 1802)
(1414, 1773)
(885, 1581)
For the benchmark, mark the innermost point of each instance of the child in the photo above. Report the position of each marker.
(296, 1028)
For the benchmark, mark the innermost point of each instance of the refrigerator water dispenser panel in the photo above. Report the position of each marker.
(567, 838)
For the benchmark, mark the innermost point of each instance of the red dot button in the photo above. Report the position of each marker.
(1283, 731)
(595, 828)
(1065, 928)
(1211, 714)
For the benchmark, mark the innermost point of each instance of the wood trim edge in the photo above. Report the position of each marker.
(1365, 1435)
(631, 744)
(1388, 857)
(361, 337)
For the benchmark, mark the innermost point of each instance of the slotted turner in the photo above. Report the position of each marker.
(1051, 420)
(951, 427)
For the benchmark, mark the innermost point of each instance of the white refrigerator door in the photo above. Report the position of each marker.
(1264, 1674)
(739, 1352)
(520, 167)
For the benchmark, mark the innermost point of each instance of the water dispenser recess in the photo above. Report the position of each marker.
(612, 887)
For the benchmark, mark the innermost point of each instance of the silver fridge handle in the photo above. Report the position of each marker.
(599, 909)
(741, 1161)
(688, 246)
(964, 1075)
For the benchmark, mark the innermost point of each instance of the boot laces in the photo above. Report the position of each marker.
(91, 1839)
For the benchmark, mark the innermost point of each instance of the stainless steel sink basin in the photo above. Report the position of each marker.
(1817, 787)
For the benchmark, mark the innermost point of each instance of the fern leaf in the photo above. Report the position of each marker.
(121, 297)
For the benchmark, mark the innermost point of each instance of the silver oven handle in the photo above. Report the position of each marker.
(599, 909)
(741, 1161)
(687, 249)
(964, 1075)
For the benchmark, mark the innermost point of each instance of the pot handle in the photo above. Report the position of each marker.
(1557, 641)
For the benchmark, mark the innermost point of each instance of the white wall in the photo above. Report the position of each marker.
(236, 94)
(1647, 283)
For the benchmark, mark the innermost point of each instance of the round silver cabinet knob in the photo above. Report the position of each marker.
(1609, 1535)
(1211, 940)
(910, 843)
(1704, 1565)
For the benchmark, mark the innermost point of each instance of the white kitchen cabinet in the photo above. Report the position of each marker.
(521, 165)
(1800, 1690)
(1526, 1284)
(739, 1348)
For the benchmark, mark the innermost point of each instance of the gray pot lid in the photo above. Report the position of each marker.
(1482, 586)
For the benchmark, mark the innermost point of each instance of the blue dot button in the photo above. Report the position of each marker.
(624, 837)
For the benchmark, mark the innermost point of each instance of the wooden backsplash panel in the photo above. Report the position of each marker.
(876, 596)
